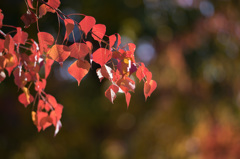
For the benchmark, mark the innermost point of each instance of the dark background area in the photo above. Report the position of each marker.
(192, 49)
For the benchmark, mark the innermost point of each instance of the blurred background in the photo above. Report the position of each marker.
(192, 49)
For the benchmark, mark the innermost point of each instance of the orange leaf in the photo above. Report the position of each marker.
(59, 53)
(42, 10)
(45, 39)
(128, 97)
(79, 69)
(149, 87)
(69, 24)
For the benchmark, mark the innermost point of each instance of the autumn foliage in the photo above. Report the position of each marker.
(25, 57)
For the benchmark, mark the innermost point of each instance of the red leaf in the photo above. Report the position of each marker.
(128, 97)
(110, 93)
(25, 100)
(126, 84)
(118, 40)
(102, 56)
(59, 53)
(56, 114)
(54, 4)
(40, 85)
(132, 47)
(48, 66)
(45, 39)
(43, 120)
(141, 72)
(79, 69)
(28, 18)
(79, 50)
(21, 36)
(149, 87)
(105, 72)
(1, 18)
(30, 3)
(69, 24)
(51, 102)
(87, 23)
(98, 32)
(42, 10)
(112, 40)
(19, 78)
(9, 44)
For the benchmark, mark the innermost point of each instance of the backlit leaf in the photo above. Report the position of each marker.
(110, 93)
(79, 69)
(78, 50)
(87, 23)
(59, 53)
(149, 87)
(69, 24)
(102, 56)
(98, 32)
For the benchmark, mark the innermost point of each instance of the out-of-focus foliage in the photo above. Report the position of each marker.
(192, 49)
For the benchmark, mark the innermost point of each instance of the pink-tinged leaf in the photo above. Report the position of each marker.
(21, 36)
(110, 93)
(102, 56)
(25, 100)
(9, 44)
(54, 4)
(29, 18)
(42, 10)
(69, 24)
(48, 66)
(87, 23)
(104, 72)
(149, 87)
(79, 69)
(118, 40)
(45, 39)
(98, 32)
(59, 53)
(128, 97)
(1, 18)
(112, 40)
(126, 84)
(57, 127)
(30, 4)
(79, 50)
